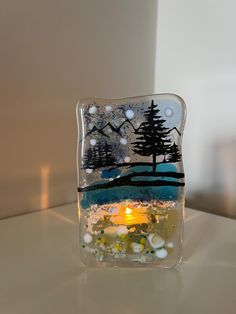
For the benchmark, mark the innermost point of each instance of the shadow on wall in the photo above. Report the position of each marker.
(52, 58)
(198, 63)
(221, 197)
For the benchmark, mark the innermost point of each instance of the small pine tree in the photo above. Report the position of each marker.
(99, 156)
(104, 155)
(109, 158)
(153, 138)
(89, 159)
(174, 154)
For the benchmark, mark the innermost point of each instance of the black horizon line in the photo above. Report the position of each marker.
(132, 183)
(130, 165)
(168, 174)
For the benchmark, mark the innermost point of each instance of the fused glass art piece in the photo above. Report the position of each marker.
(131, 180)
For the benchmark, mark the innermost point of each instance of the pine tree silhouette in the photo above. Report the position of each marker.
(174, 153)
(89, 158)
(98, 156)
(153, 138)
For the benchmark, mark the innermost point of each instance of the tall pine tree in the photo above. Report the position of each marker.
(153, 138)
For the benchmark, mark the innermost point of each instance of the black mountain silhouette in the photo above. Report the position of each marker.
(174, 129)
(95, 129)
(116, 129)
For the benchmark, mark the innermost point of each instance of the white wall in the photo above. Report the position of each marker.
(52, 53)
(196, 58)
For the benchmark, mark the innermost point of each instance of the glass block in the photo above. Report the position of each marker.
(131, 180)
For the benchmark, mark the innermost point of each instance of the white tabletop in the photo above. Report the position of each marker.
(40, 272)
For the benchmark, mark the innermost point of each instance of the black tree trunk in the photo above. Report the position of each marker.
(154, 163)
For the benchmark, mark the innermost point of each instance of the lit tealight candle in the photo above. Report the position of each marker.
(129, 215)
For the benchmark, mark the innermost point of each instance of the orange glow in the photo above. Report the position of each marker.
(129, 215)
(44, 187)
(61, 217)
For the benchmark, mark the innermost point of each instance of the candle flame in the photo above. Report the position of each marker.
(128, 210)
(129, 215)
